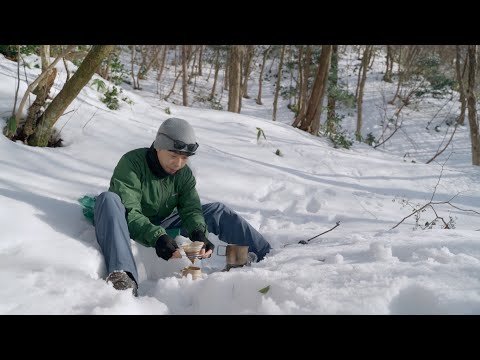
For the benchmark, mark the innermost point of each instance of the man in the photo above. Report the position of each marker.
(146, 186)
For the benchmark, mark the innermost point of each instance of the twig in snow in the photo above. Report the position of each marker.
(305, 242)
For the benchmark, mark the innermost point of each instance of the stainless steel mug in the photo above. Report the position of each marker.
(237, 255)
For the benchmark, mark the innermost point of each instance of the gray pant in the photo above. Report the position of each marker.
(113, 237)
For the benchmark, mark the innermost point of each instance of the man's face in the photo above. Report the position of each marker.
(171, 162)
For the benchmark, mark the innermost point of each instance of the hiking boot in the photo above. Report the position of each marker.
(122, 281)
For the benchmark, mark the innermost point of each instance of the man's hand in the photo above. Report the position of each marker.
(207, 249)
(167, 248)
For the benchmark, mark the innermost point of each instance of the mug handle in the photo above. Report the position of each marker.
(218, 247)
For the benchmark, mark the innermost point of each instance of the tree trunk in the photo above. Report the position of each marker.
(363, 72)
(185, 75)
(316, 119)
(173, 86)
(200, 57)
(302, 101)
(104, 71)
(134, 81)
(141, 66)
(472, 104)
(68, 93)
(148, 63)
(66, 69)
(332, 93)
(314, 108)
(400, 77)
(248, 69)
(45, 56)
(192, 71)
(42, 91)
(161, 64)
(234, 78)
(175, 59)
(160, 67)
(260, 78)
(412, 52)
(226, 74)
(215, 77)
(277, 84)
(387, 77)
(298, 89)
(461, 87)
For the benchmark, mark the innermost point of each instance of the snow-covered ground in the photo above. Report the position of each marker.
(50, 262)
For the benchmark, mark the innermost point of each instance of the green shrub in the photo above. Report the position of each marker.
(110, 99)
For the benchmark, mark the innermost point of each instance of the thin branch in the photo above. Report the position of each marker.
(431, 204)
(454, 206)
(90, 119)
(448, 143)
(304, 242)
(397, 115)
(388, 138)
(438, 112)
(413, 213)
(439, 178)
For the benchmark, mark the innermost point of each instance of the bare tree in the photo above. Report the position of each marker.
(68, 93)
(332, 93)
(406, 67)
(299, 80)
(460, 81)
(472, 104)
(387, 77)
(367, 53)
(226, 75)
(277, 84)
(194, 62)
(260, 78)
(42, 91)
(217, 69)
(132, 62)
(149, 56)
(315, 125)
(311, 119)
(305, 73)
(249, 54)
(17, 119)
(161, 65)
(104, 70)
(181, 72)
(185, 52)
(235, 74)
(200, 61)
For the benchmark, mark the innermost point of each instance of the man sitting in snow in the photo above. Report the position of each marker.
(146, 186)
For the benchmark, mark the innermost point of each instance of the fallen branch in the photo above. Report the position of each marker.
(305, 242)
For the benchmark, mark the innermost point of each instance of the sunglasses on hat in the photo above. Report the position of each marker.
(181, 146)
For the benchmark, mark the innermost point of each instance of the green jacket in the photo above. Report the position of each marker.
(149, 195)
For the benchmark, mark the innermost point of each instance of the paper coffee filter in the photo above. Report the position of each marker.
(194, 246)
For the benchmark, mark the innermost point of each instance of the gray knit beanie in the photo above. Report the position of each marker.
(176, 129)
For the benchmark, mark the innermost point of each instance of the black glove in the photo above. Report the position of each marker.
(165, 247)
(199, 235)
